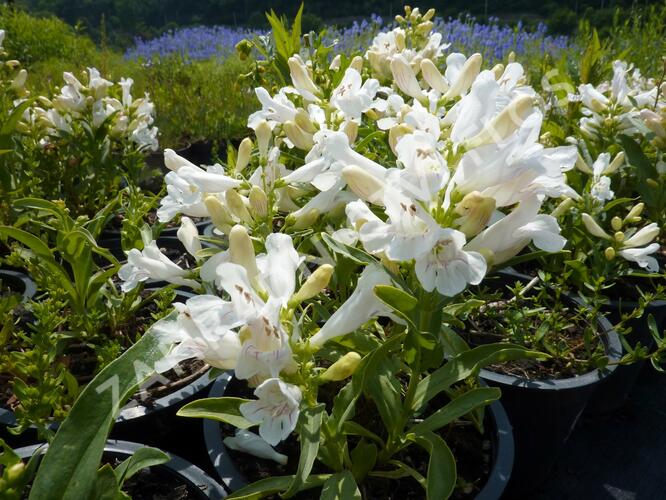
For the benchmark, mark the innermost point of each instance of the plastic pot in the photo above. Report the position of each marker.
(613, 392)
(544, 412)
(111, 236)
(199, 483)
(18, 282)
(502, 440)
(220, 240)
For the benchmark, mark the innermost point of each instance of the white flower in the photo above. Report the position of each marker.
(360, 307)
(173, 161)
(278, 109)
(248, 442)
(601, 190)
(352, 99)
(448, 267)
(644, 236)
(151, 263)
(643, 256)
(276, 410)
(277, 267)
(203, 330)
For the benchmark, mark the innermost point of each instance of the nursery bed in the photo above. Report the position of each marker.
(619, 456)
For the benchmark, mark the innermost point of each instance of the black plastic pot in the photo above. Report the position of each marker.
(111, 236)
(613, 392)
(18, 282)
(220, 240)
(544, 412)
(502, 440)
(167, 242)
(198, 482)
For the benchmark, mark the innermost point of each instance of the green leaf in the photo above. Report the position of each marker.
(462, 405)
(645, 169)
(355, 254)
(309, 432)
(69, 467)
(363, 458)
(354, 429)
(273, 485)
(396, 299)
(383, 387)
(442, 474)
(340, 486)
(106, 485)
(140, 459)
(225, 410)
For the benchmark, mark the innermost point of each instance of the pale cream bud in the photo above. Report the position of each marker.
(300, 76)
(616, 223)
(12, 63)
(609, 253)
(512, 57)
(498, 70)
(335, 63)
(400, 40)
(615, 164)
(396, 133)
(562, 208)
(303, 120)
(20, 79)
(468, 74)
(475, 211)
(424, 27)
(365, 185)
(258, 201)
(635, 211)
(244, 153)
(236, 205)
(405, 78)
(342, 368)
(303, 221)
(357, 63)
(314, 285)
(593, 228)
(619, 236)
(350, 129)
(429, 15)
(241, 251)
(433, 77)
(299, 137)
(582, 165)
(504, 124)
(264, 134)
(219, 214)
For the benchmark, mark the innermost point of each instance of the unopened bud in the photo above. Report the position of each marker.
(258, 201)
(264, 134)
(504, 124)
(582, 165)
(615, 164)
(593, 228)
(20, 79)
(433, 77)
(237, 206)
(562, 208)
(429, 15)
(466, 77)
(14, 472)
(303, 221)
(616, 223)
(635, 211)
(350, 129)
(299, 137)
(365, 185)
(400, 40)
(396, 133)
(244, 153)
(12, 63)
(357, 63)
(314, 285)
(475, 212)
(652, 183)
(303, 120)
(424, 27)
(399, 19)
(218, 214)
(300, 75)
(335, 63)
(619, 236)
(342, 368)
(241, 250)
(498, 70)
(609, 253)
(512, 57)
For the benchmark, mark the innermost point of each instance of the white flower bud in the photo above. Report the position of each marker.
(365, 185)
(350, 129)
(300, 76)
(342, 368)
(264, 134)
(615, 164)
(433, 77)
(335, 63)
(252, 444)
(468, 74)
(258, 201)
(218, 214)
(244, 153)
(404, 77)
(475, 211)
(562, 208)
(635, 211)
(241, 251)
(504, 123)
(236, 205)
(357, 63)
(593, 228)
(582, 165)
(299, 137)
(188, 234)
(314, 285)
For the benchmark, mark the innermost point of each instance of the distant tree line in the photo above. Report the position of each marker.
(120, 20)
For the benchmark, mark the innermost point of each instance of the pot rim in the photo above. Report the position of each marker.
(195, 476)
(29, 286)
(502, 438)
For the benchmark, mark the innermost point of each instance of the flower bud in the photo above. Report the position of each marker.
(350, 129)
(241, 250)
(244, 49)
(303, 221)
(582, 165)
(264, 134)
(635, 211)
(414, 14)
(619, 236)
(237, 206)
(299, 137)
(424, 28)
(218, 214)
(562, 208)
(593, 228)
(258, 201)
(475, 211)
(14, 472)
(396, 133)
(616, 223)
(365, 185)
(357, 63)
(300, 76)
(512, 57)
(19, 80)
(335, 63)
(466, 77)
(429, 15)
(433, 77)
(609, 253)
(405, 78)
(498, 70)
(504, 124)
(653, 183)
(188, 235)
(342, 368)
(314, 285)
(643, 236)
(303, 120)
(13, 63)
(615, 164)
(399, 19)
(400, 40)
(244, 153)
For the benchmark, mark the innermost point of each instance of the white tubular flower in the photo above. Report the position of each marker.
(353, 99)
(359, 308)
(644, 236)
(508, 236)
(448, 267)
(601, 190)
(405, 78)
(97, 85)
(188, 234)
(643, 256)
(152, 264)
(277, 267)
(126, 85)
(203, 330)
(592, 98)
(252, 444)
(276, 411)
(302, 80)
(298, 137)
(409, 233)
(244, 153)
(173, 161)
(278, 109)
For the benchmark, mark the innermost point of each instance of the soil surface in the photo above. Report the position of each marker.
(473, 452)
